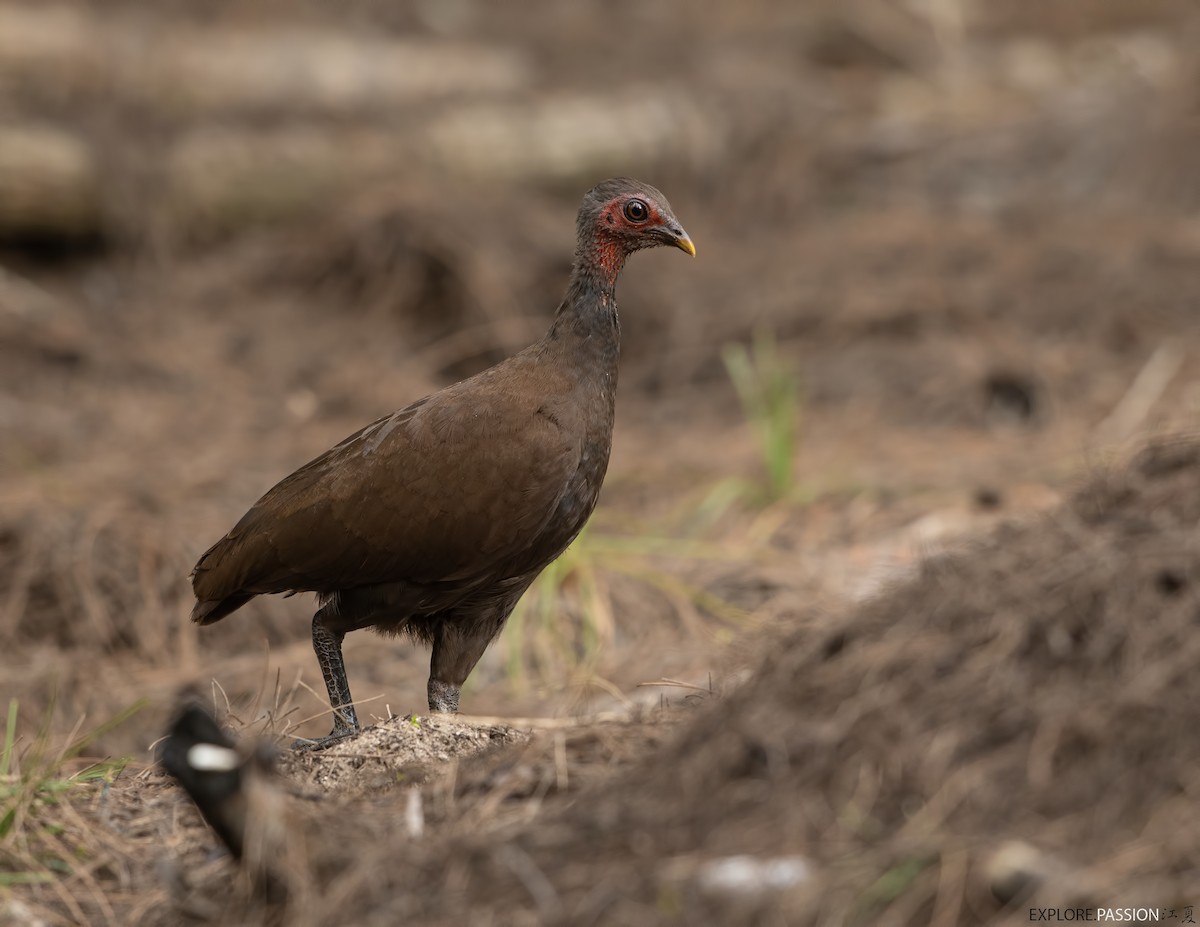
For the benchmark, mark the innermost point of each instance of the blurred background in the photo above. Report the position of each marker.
(947, 257)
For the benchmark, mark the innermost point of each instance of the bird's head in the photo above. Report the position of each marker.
(621, 216)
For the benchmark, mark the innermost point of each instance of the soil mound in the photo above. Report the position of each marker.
(1040, 687)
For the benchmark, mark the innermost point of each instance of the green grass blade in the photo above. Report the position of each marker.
(10, 740)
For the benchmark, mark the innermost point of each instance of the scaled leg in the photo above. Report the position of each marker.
(328, 646)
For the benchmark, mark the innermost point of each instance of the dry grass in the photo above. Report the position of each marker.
(1035, 687)
(46, 837)
(1029, 697)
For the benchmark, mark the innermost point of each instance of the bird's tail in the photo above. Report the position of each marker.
(210, 611)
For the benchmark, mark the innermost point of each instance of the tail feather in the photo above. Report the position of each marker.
(210, 611)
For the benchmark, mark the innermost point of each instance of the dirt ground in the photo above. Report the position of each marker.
(944, 674)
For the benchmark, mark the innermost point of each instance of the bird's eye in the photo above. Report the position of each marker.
(637, 211)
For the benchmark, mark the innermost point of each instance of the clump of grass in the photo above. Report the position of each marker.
(769, 390)
(33, 780)
(569, 616)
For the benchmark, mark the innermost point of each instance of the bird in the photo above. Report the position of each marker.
(432, 522)
(201, 757)
(237, 794)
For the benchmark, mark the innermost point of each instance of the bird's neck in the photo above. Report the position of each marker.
(586, 323)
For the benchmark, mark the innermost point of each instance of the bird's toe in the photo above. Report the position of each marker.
(336, 736)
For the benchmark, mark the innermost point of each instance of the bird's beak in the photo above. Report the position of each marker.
(684, 243)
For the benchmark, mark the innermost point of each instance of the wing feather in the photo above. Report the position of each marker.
(438, 492)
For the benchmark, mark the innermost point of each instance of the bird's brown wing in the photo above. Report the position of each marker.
(438, 492)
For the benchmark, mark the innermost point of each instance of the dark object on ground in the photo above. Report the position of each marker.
(434, 520)
(202, 758)
(230, 790)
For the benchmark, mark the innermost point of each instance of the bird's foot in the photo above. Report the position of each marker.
(339, 733)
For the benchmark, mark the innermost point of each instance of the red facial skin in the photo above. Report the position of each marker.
(617, 237)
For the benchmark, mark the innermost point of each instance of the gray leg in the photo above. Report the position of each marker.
(328, 647)
(443, 696)
(456, 650)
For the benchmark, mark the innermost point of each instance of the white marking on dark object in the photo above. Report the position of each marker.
(752, 875)
(212, 758)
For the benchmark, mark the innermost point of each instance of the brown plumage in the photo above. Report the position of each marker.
(434, 520)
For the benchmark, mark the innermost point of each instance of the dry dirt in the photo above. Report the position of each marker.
(965, 635)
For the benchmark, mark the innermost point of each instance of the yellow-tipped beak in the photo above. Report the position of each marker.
(684, 243)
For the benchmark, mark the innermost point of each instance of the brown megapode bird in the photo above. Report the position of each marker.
(434, 520)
